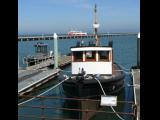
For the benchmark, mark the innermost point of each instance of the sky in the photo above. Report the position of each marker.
(62, 16)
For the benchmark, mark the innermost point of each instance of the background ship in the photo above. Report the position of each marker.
(76, 33)
(42, 54)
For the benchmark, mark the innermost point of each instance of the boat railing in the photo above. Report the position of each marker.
(86, 111)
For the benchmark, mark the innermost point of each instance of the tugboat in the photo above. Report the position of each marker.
(90, 63)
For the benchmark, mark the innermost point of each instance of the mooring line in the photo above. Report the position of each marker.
(46, 91)
(106, 95)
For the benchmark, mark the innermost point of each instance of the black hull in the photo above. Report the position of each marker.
(91, 88)
(81, 90)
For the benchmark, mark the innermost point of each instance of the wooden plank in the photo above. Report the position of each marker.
(63, 60)
(34, 75)
(35, 79)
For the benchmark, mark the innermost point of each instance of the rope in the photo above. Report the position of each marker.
(101, 86)
(106, 95)
(45, 91)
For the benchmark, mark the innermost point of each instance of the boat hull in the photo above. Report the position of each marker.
(90, 88)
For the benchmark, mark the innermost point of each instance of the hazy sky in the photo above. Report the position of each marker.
(61, 16)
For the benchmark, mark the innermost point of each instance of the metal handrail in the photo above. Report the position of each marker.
(86, 111)
(76, 99)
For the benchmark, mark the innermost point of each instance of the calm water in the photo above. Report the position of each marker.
(124, 54)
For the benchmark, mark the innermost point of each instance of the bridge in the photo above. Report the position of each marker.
(65, 36)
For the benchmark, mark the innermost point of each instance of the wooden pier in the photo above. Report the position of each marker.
(63, 61)
(65, 36)
(36, 75)
(136, 87)
(30, 79)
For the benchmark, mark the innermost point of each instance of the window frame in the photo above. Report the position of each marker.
(74, 57)
(92, 59)
(107, 59)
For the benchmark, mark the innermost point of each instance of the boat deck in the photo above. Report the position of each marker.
(39, 56)
(41, 65)
(63, 60)
(136, 85)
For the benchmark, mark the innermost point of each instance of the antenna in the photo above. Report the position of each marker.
(96, 26)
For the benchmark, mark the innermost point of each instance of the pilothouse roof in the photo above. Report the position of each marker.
(95, 48)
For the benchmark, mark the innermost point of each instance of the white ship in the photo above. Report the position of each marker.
(77, 33)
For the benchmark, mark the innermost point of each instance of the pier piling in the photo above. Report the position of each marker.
(138, 50)
(55, 51)
(136, 87)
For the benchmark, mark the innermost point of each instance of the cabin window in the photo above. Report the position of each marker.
(41, 49)
(103, 55)
(90, 56)
(78, 56)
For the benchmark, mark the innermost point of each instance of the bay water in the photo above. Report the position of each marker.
(125, 54)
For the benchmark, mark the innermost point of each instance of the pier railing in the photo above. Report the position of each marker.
(85, 111)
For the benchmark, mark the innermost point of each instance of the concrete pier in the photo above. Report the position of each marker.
(136, 87)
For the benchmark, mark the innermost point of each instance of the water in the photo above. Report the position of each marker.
(124, 54)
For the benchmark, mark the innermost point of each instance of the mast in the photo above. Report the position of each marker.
(96, 26)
